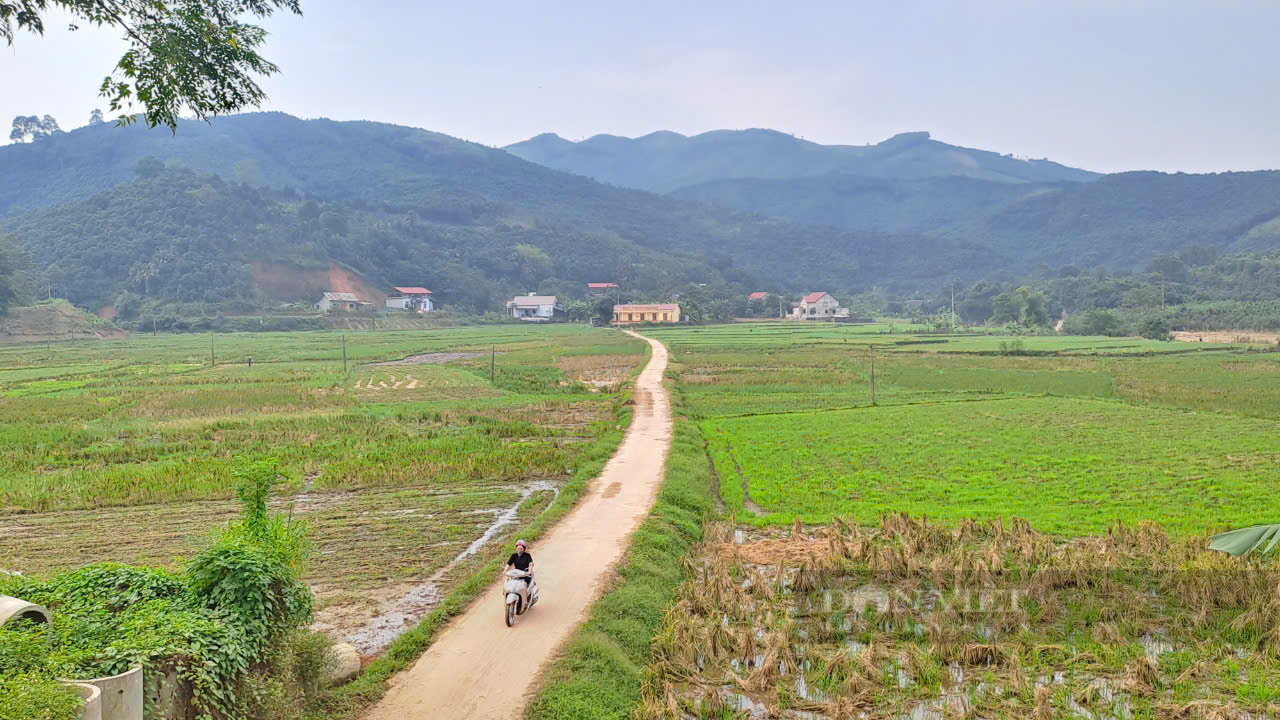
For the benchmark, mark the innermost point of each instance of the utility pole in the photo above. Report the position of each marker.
(953, 306)
(212, 360)
(154, 332)
(344, 354)
(871, 353)
(493, 354)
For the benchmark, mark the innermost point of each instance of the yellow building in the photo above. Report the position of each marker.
(662, 313)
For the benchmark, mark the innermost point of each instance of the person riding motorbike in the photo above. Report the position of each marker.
(521, 560)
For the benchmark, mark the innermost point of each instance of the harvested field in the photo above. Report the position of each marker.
(909, 619)
(1258, 337)
(600, 372)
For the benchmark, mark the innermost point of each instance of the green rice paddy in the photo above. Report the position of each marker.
(1070, 433)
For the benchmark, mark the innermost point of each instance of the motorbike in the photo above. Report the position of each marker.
(519, 595)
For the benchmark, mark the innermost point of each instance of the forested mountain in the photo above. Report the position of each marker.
(251, 210)
(664, 161)
(139, 211)
(1119, 221)
(398, 206)
(207, 244)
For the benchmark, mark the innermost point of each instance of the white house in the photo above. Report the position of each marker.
(341, 301)
(534, 308)
(413, 299)
(819, 305)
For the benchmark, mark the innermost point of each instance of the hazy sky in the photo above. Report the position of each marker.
(1106, 85)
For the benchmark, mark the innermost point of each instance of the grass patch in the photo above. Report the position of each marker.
(1068, 466)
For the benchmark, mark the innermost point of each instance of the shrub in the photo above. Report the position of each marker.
(1012, 347)
(1155, 328)
(253, 570)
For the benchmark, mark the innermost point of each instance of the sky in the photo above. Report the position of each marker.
(1107, 85)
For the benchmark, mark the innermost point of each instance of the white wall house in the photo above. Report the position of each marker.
(533, 308)
(819, 305)
(341, 302)
(411, 299)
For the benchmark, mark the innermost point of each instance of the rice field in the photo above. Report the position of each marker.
(1069, 466)
(124, 449)
(1002, 527)
(911, 619)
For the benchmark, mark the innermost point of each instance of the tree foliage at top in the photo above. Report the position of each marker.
(33, 127)
(197, 56)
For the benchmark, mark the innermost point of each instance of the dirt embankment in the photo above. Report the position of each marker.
(55, 320)
(291, 283)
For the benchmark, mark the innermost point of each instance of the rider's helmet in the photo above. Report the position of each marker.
(520, 544)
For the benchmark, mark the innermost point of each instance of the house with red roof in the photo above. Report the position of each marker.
(818, 305)
(412, 299)
(758, 296)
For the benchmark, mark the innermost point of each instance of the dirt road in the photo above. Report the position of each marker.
(478, 668)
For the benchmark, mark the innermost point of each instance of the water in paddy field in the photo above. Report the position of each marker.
(379, 632)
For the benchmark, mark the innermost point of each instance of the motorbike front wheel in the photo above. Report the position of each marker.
(511, 614)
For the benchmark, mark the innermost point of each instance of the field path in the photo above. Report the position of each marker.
(478, 668)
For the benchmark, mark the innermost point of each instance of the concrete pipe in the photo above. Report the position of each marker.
(11, 608)
(92, 708)
(121, 694)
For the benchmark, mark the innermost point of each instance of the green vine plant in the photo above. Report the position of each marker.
(231, 625)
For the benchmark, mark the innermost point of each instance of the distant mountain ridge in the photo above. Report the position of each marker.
(132, 216)
(1119, 221)
(198, 222)
(665, 161)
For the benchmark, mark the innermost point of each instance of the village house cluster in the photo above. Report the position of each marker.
(409, 299)
(533, 307)
(546, 308)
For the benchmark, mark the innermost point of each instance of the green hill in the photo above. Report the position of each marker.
(1119, 221)
(252, 211)
(665, 161)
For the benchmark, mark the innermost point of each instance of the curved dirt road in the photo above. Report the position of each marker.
(478, 668)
